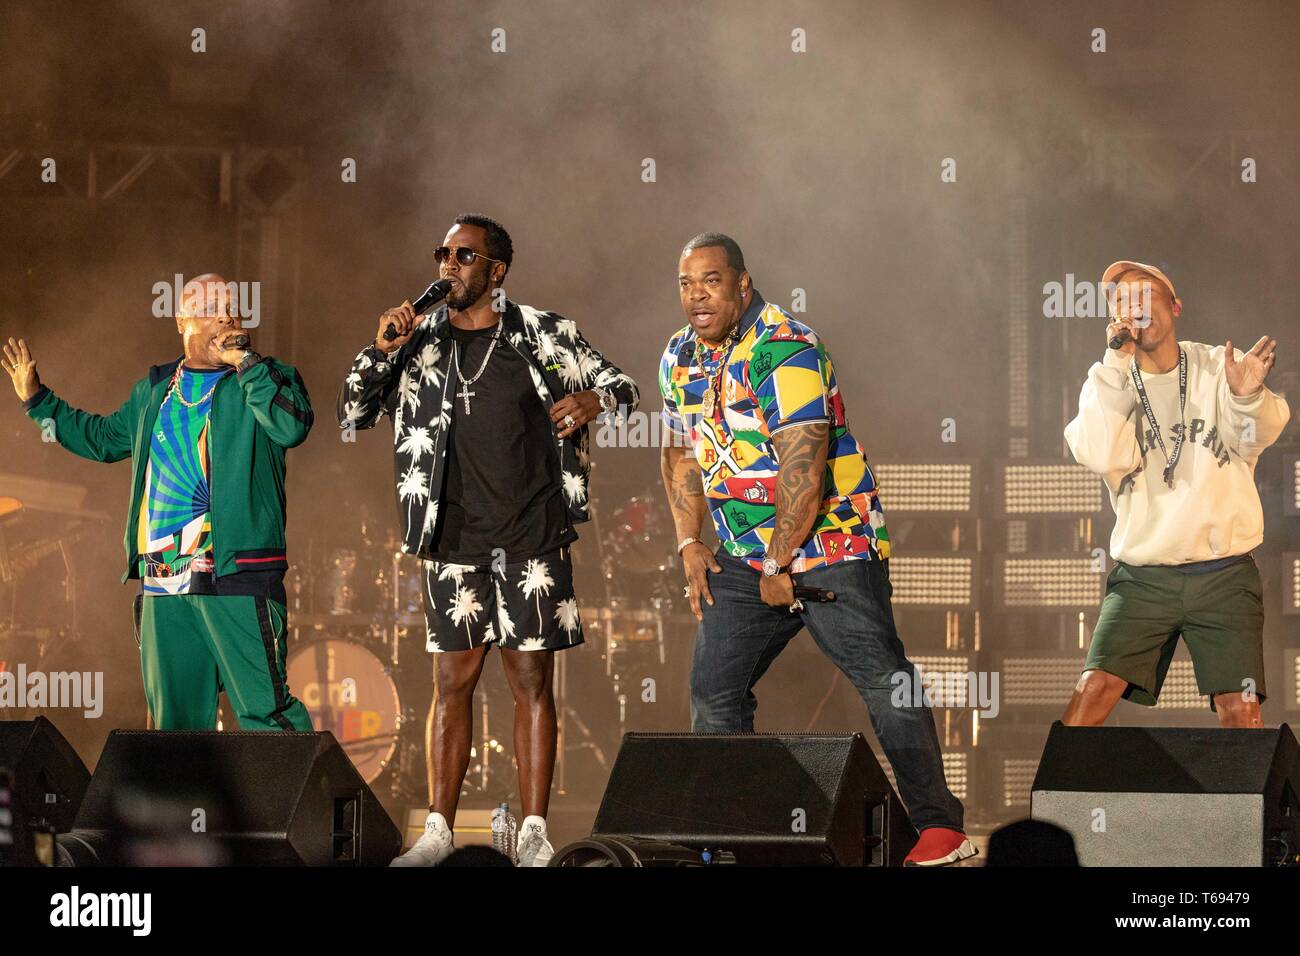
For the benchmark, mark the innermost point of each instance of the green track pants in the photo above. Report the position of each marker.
(192, 646)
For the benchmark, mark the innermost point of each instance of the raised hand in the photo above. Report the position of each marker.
(20, 365)
(1246, 377)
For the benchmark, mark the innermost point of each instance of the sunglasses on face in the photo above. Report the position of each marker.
(464, 255)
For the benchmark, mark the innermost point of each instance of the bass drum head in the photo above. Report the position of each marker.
(349, 692)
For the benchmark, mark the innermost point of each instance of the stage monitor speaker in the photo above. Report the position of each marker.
(49, 777)
(1173, 796)
(268, 798)
(757, 799)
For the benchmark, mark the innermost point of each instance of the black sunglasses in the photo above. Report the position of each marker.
(464, 255)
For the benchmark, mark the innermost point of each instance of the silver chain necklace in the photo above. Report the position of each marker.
(465, 394)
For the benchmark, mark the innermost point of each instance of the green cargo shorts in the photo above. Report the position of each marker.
(1220, 614)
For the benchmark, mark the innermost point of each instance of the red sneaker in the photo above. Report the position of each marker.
(939, 846)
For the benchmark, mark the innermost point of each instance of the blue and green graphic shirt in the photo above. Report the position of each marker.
(175, 532)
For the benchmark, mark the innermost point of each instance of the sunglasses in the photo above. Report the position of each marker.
(464, 255)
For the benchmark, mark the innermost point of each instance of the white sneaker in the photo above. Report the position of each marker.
(534, 849)
(434, 845)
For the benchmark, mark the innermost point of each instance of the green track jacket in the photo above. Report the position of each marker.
(256, 415)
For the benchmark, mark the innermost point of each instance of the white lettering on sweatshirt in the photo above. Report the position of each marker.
(1213, 509)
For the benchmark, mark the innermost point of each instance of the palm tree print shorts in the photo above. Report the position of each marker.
(523, 605)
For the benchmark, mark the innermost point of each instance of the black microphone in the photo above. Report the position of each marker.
(1120, 337)
(820, 595)
(436, 292)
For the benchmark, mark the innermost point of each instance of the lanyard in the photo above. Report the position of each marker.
(1171, 460)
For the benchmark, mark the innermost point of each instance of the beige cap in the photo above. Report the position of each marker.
(1117, 269)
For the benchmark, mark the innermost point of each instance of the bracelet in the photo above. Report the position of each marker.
(607, 400)
(685, 541)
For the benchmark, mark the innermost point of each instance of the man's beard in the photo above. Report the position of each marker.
(470, 293)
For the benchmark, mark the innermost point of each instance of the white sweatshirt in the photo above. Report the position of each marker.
(1212, 510)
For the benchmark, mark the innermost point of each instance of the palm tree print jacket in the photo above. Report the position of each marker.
(415, 387)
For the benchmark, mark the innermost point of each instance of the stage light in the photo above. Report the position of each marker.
(925, 489)
(1290, 582)
(1038, 681)
(1056, 488)
(938, 580)
(944, 678)
(1050, 582)
(1291, 484)
(1018, 780)
(956, 771)
(1292, 664)
(1179, 691)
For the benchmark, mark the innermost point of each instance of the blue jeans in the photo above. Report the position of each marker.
(741, 636)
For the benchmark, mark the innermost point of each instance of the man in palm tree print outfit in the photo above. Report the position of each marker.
(490, 403)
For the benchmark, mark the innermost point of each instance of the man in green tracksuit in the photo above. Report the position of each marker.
(206, 435)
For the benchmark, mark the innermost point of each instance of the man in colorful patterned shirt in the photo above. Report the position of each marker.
(758, 438)
(204, 534)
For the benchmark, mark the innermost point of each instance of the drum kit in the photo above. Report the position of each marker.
(358, 661)
(357, 656)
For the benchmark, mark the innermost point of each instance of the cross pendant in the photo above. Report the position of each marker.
(465, 395)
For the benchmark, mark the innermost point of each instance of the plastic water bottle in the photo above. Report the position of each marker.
(505, 832)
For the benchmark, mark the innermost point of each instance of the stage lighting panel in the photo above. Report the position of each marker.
(956, 770)
(1290, 582)
(1017, 780)
(1291, 484)
(1049, 582)
(1048, 489)
(945, 678)
(1039, 680)
(1291, 659)
(941, 488)
(940, 580)
(1179, 691)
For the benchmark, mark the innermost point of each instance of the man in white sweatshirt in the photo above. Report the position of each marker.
(1174, 429)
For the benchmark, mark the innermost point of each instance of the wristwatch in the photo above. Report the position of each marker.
(771, 568)
(607, 400)
(250, 359)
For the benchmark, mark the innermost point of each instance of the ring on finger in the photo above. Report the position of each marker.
(568, 421)
(686, 591)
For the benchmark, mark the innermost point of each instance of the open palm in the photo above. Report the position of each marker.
(20, 365)
(1245, 376)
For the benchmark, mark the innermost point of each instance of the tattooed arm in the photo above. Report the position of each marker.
(800, 487)
(685, 487)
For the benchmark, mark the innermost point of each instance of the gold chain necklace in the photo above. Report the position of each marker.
(713, 397)
(176, 379)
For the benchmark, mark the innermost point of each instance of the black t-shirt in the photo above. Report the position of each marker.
(501, 480)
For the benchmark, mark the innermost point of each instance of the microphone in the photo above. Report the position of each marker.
(436, 292)
(820, 595)
(1120, 338)
(239, 340)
